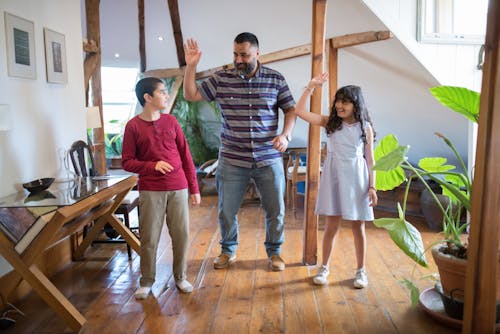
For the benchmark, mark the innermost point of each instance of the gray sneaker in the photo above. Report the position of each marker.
(361, 279)
(321, 275)
(184, 286)
(143, 292)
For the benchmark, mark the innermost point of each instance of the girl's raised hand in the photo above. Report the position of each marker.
(318, 80)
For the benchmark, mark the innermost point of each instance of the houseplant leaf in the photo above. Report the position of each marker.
(405, 236)
(415, 293)
(389, 156)
(462, 100)
(435, 164)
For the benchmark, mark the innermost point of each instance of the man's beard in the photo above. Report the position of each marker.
(245, 68)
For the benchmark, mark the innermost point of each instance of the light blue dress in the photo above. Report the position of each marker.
(343, 189)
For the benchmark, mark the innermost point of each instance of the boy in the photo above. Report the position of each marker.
(155, 147)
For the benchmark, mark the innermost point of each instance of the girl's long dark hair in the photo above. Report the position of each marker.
(352, 94)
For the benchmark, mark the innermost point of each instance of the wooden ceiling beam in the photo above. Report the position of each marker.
(293, 52)
(142, 35)
(173, 7)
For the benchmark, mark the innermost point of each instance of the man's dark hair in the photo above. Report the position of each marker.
(146, 86)
(247, 37)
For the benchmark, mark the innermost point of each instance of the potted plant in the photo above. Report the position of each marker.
(113, 145)
(392, 168)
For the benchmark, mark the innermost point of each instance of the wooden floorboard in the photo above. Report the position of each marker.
(246, 298)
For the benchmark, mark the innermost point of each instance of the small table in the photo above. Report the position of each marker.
(29, 224)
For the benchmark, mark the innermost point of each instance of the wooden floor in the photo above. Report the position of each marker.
(246, 298)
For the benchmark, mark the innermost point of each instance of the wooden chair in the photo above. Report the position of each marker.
(206, 174)
(80, 154)
(296, 169)
(295, 173)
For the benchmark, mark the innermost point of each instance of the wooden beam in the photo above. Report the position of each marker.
(142, 35)
(310, 255)
(304, 50)
(173, 7)
(360, 38)
(482, 254)
(94, 34)
(89, 64)
(333, 73)
(297, 51)
(164, 73)
(173, 94)
(293, 52)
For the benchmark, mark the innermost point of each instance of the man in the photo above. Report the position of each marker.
(249, 97)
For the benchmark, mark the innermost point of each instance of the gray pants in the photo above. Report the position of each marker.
(154, 207)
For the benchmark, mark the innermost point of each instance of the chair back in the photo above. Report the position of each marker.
(80, 154)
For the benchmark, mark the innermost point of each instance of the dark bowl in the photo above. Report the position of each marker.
(38, 185)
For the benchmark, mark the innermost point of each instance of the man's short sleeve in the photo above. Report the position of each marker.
(285, 98)
(208, 88)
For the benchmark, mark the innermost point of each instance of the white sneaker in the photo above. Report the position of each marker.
(321, 275)
(361, 279)
(142, 292)
(184, 286)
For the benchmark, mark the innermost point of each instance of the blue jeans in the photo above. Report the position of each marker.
(232, 182)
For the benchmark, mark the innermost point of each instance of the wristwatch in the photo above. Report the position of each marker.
(288, 137)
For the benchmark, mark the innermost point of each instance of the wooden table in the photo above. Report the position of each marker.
(52, 215)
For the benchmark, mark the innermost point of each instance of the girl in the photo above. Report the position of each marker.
(347, 189)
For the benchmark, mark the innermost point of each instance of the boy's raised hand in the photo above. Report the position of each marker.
(192, 53)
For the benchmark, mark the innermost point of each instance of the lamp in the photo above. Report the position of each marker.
(93, 118)
(93, 121)
(5, 121)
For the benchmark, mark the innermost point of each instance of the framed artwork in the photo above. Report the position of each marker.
(55, 56)
(20, 46)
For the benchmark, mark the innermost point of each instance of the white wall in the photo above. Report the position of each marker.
(45, 116)
(450, 64)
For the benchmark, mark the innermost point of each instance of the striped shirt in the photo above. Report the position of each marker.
(249, 108)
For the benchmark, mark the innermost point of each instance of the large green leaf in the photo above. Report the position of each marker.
(405, 236)
(459, 99)
(436, 164)
(388, 159)
(415, 293)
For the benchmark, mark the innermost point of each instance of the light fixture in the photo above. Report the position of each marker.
(5, 121)
(117, 55)
(93, 118)
(160, 38)
(93, 122)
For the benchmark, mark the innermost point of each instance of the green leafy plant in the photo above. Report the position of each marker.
(392, 168)
(188, 115)
(113, 142)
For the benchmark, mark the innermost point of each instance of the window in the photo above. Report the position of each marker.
(118, 97)
(452, 21)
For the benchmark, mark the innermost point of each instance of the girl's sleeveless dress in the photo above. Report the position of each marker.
(343, 190)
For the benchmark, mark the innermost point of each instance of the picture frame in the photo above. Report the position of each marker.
(20, 40)
(55, 56)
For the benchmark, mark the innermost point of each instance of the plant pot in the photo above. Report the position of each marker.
(115, 163)
(451, 272)
(452, 275)
(454, 307)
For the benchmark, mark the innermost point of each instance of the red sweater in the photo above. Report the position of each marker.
(145, 143)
